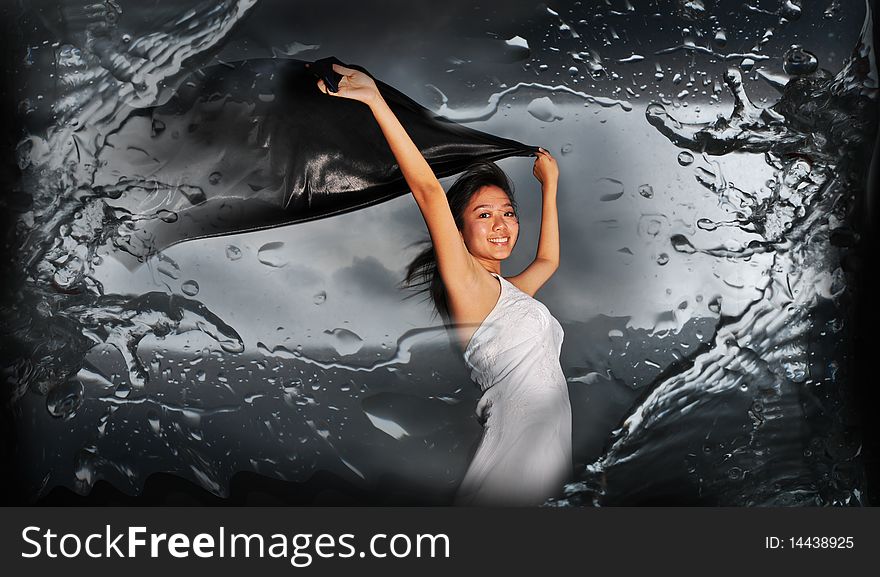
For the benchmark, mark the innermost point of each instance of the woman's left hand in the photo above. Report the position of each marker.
(545, 169)
(354, 85)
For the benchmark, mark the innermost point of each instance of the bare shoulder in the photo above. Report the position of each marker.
(471, 302)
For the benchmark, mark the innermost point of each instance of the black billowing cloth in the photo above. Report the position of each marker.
(255, 144)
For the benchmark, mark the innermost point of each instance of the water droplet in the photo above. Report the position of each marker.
(715, 305)
(319, 298)
(345, 342)
(122, 391)
(167, 216)
(567, 148)
(735, 473)
(685, 158)
(682, 244)
(190, 288)
(292, 393)
(157, 127)
(574, 72)
(662, 259)
(706, 224)
(646, 190)
(543, 109)
(270, 254)
(721, 38)
(650, 225)
(63, 400)
(795, 371)
(790, 9)
(84, 467)
(215, 177)
(609, 189)
(797, 61)
(233, 252)
(153, 421)
(194, 194)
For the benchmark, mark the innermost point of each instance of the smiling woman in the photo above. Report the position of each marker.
(511, 341)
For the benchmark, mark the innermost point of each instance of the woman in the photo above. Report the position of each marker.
(510, 340)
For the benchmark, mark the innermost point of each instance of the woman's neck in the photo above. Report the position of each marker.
(491, 265)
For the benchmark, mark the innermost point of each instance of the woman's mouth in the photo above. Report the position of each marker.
(502, 240)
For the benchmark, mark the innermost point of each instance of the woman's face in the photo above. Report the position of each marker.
(490, 227)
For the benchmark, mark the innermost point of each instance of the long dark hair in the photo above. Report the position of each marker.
(422, 272)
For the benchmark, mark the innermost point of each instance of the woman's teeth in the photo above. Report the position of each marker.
(499, 240)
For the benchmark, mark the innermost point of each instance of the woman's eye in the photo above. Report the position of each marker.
(513, 214)
(484, 215)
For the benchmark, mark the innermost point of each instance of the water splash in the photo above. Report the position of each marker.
(810, 138)
(105, 77)
(489, 110)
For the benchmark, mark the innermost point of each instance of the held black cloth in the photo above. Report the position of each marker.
(255, 144)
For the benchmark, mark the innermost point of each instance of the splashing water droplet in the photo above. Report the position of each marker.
(63, 401)
(706, 224)
(650, 225)
(685, 158)
(646, 190)
(567, 148)
(320, 298)
(791, 9)
(190, 288)
(153, 421)
(84, 467)
(795, 371)
(215, 177)
(158, 127)
(167, 216)
(691, 9)
(715, 305)
(682, 244)
(122, 391)
(609, 189)
(194, 194)
(345, 342)
(797, 61)
(292, 393)
(270, 254)
(544, 109)
(233, 252)
(662, 259)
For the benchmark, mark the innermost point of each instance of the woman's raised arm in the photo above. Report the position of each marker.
(456, 266)
(547, 259)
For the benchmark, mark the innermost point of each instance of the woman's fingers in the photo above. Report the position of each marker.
(343, 70)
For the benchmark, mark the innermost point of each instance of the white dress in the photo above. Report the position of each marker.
(524, 456)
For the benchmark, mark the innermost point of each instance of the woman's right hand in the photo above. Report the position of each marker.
(545, 170)
(354, 85)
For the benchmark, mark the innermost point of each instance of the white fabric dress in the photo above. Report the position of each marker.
(524, 456)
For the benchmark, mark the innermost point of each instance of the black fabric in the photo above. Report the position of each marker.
(280, 152)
